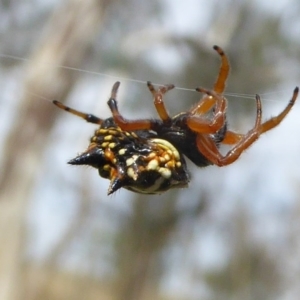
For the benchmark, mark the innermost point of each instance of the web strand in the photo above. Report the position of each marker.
(128, 79)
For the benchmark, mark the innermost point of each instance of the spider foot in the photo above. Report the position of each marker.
(161, 90)
(158, 99)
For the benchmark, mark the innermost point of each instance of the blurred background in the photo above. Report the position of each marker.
(233, 234)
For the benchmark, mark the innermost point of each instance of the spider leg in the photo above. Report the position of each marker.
(208, 148)
(233, 137)
(201, 124)
(220, 83)
(158, 100)
(206, 103)
(88, 117)
(273, 122)
(125, 124)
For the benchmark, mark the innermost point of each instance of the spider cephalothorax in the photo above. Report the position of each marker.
(147, 155)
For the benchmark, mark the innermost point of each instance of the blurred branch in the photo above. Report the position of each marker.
(40, 285)
(67, 42)
(145, 235)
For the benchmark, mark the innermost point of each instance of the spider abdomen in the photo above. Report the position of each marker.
(137, 161)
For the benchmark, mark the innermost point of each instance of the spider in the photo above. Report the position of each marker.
(148, 155)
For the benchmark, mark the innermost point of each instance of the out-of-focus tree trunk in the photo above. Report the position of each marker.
(152, 223)
(140, 241)
(70, 33)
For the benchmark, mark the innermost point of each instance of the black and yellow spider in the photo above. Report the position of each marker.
(147, 155)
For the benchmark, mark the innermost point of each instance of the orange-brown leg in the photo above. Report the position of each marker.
(233, 137)
(124, 124)
(273, 122)
(158, 100)
(208, 148)
(220, 83)
(88, 117)
(201, 124)
(206, 103)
